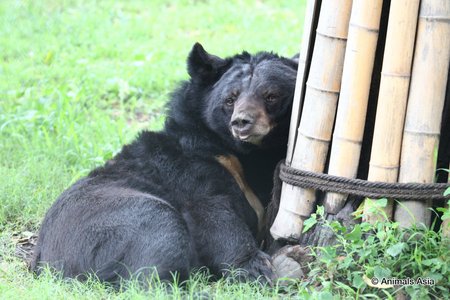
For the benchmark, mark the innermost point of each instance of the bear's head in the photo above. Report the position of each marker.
(246, 99)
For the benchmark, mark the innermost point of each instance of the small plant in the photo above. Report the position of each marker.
(367, 258)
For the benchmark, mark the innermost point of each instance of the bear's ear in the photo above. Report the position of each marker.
(291, 62)
(202, 65)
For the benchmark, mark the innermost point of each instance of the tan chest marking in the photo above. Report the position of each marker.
(232, 164)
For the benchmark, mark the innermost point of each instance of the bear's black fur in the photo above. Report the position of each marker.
(165, 201)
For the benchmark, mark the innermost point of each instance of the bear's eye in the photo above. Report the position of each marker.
(230, 100)
(271, 98)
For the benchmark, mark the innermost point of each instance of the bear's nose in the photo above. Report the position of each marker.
(242, 122)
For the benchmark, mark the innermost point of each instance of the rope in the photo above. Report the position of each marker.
(364, 188)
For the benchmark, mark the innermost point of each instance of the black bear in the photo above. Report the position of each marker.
(190, 196)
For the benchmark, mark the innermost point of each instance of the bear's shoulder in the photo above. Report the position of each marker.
(149, 147)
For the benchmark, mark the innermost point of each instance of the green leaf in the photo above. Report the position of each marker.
(431, 261)
(355, 234)
(441, 209)
(357, 281)
(381, 202)
(366, 227)
(436, 276)
(328, 254)
(337, 227)
(320, 210)
(375, 207)
(380, 272)
(310, 222)
(345, 263)
(447, 192)
(381, 235)
(325, 295)
(396, 249)
(445, 211)
(369, 271)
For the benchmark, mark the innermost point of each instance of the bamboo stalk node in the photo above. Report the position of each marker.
(392, 74)
(310, 137)
(443, 19)
(365, 28)
(386, 167)
(345, 139)
(341, 38)
(322, 90)
(426, 133)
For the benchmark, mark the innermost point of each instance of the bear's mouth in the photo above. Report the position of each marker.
(253, 139)
(253, 136)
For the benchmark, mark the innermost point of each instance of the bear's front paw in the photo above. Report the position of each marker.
(257, 268)
(291, 262)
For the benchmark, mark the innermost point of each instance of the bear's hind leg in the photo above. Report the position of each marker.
(158, 241)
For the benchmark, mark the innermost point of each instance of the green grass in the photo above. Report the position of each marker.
(78, 79)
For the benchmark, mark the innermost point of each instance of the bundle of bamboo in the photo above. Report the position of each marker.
(408, 113)
(314, 133)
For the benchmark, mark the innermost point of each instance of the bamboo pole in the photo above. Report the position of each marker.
(317, 120)
(352, 109)
(425, 105)
(392, 97)
(305, 49)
